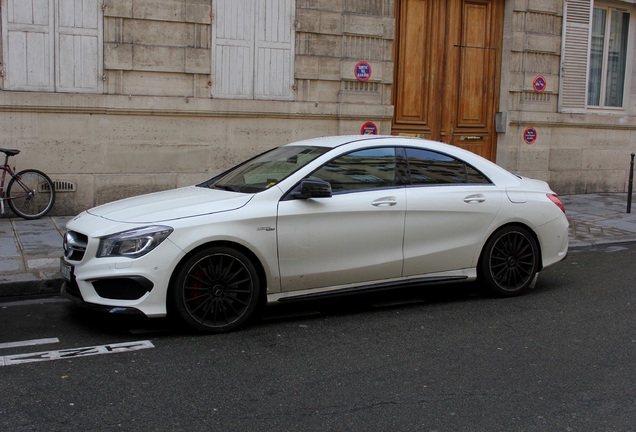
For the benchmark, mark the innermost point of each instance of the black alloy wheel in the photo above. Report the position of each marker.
(510, 261)
(216, 290)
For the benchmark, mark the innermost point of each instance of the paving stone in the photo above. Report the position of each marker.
(38, 234)
(8, 248)
(10, 264)
(43, 263)
(6, 230)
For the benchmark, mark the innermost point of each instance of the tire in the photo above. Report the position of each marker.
(510, 261)
(32, 196)
(216, 290)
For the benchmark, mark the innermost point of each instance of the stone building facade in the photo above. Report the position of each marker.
(580, 147)
(133, 96)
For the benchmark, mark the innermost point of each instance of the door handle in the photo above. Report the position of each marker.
(385, 202)
(475, 199)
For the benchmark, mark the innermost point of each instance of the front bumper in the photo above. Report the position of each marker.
(71, 292)
(118, 285)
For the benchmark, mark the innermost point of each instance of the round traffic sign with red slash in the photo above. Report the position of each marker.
(539, 84)
(530, 135)
(369, 128)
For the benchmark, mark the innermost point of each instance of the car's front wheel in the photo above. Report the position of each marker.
(510, 261)
(216, 290)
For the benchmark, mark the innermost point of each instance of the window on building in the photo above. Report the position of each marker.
(253, 49)
(597, 41)
(608, 57)
(52, 45)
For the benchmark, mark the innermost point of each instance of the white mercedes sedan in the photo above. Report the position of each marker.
(312, 218)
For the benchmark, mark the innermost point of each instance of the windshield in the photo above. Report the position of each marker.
(266, 170)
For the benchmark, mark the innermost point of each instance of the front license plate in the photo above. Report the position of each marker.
(66, 270)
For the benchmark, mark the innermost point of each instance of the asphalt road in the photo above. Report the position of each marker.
(444, 358)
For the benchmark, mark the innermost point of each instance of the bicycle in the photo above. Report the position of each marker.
(30, 192)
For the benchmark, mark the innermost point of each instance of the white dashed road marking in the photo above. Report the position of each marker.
(29, 343)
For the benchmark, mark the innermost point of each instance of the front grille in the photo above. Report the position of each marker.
(75, 245)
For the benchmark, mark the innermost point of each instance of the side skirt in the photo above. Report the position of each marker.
(368, 288)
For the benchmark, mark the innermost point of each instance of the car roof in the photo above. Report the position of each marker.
(336, 141)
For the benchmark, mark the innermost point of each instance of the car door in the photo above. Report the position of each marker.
(354, 236)
(450, 206)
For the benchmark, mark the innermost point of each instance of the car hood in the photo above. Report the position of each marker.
(170, 205)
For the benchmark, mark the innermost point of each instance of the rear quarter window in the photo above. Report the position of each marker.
(427, 167)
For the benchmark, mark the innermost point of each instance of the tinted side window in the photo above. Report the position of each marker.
(429, 167)
(360, 170)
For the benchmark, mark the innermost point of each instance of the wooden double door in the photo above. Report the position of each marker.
(447, 68)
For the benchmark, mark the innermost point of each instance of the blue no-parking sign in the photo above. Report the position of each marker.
(369, 128)
(539, 84)
(362, 71)
(530, 135)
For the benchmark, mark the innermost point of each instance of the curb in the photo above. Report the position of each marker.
(30, 288)
(580, 244)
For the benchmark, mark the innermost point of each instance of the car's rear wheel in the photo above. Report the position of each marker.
(510, 261)
(216, 290)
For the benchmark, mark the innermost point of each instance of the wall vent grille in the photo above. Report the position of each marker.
(60, 186)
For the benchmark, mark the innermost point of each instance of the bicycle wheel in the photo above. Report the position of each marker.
(31, 194)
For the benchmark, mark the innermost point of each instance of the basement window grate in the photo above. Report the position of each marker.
(360, 86)
(535, 97)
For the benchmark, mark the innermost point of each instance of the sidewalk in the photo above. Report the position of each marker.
(30, 250)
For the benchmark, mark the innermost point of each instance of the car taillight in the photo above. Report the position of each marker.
(555, 199)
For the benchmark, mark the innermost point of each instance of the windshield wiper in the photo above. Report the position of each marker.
(226, 188)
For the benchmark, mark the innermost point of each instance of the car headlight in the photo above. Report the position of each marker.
(134, 243)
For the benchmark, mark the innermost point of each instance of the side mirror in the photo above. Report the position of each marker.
(312, 188)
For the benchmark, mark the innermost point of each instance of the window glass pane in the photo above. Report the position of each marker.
(361, 170)
(608, 57)
(474, 176)
(266, 170)
(596, 57)
(617, 59)
(428, 167)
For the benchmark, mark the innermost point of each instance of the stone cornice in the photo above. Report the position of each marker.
(185, 106)
(590, 120)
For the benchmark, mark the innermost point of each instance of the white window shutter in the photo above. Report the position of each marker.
(79, 48)
(28, 41)
(233, 49)
(275, 40)
(575, 55)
